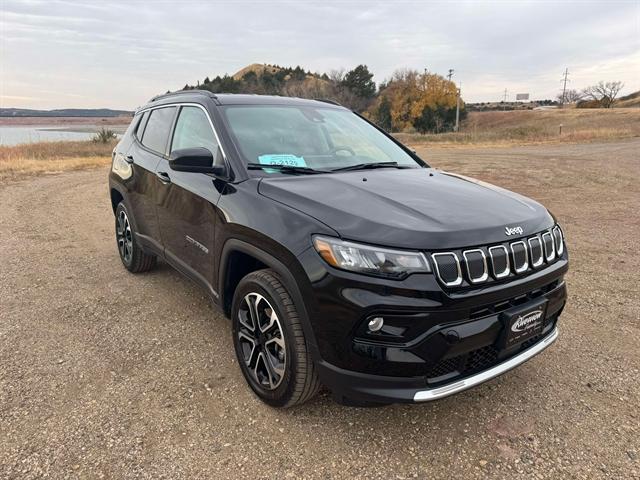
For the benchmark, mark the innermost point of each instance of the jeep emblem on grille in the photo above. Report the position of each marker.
(513, 230)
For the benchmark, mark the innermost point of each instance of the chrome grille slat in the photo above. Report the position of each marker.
(535, 262)
(458, 280)
(525, 264)
(485, 270)
(558, 238)
(507, 270)
(549, 246)
(475, 265)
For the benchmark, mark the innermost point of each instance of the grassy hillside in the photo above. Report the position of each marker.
(629, 101)
(539, 126)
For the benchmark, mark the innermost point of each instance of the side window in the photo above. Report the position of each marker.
(142, 124)
(194, 130)
(156, 133)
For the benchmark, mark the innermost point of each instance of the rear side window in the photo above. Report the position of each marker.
(156, 133)
(142, 124)
(194, 130)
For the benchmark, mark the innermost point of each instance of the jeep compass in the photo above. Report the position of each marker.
(341, 258)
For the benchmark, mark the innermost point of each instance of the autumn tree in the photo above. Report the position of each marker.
(382, 115)
(604, 93)
(424, 101)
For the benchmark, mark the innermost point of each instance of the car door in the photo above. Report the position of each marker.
(186, 202)
(149, 147)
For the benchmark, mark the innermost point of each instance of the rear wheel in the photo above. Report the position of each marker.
(270, 343)
(132, 256)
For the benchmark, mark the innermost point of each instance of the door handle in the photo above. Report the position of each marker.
(129, 159)
(164, 177)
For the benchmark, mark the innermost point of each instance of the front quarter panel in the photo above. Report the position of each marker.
(271, 227)
(264, 222)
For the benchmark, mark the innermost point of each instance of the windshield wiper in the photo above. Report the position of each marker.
(284, 168)
(367, 166)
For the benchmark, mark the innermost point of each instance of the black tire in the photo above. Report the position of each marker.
(132, 256)
(299, 380)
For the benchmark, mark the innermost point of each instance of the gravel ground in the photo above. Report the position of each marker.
(105, 374)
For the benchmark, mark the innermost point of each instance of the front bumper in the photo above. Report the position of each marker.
(449, 341)
(376, 388)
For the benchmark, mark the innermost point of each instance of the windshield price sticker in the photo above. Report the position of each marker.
(282, 159)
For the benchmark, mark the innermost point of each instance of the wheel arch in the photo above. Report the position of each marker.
(256, 258)
(116, 198)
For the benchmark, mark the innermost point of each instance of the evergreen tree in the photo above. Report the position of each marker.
(359, 81)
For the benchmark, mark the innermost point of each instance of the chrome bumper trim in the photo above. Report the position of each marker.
(458, 386)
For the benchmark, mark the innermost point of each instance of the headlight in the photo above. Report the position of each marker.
(368, 259)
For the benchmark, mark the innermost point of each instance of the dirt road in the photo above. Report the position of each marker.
(104, 374)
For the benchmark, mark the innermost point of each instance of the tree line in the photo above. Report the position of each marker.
(408, 101)
(600, 95)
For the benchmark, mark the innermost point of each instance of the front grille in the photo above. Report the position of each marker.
(477, 360)
(476, 264)
(445, 367)
(462, 268)
(500, 265)
(448, 268)
(535, 252)
(493, 308)
(519, 256)
(467, 363)
(481, 358)
(549, 246)
(558, 240)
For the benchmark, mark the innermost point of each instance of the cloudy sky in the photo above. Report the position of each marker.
(117, 54)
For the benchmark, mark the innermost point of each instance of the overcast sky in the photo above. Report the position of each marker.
(117, 54)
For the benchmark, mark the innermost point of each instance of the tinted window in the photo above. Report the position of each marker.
(133, 125)
(142, 124)
(156, 133)
(193, 130)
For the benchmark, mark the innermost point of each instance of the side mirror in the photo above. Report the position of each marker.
(195, 160)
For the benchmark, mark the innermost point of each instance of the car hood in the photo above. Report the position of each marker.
(410, 208)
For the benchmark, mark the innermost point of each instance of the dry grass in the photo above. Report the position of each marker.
(52, 157)
(480, 129)
(540, 126)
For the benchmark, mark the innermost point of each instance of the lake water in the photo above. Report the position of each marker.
(15, 135)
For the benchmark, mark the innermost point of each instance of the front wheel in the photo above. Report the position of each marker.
(132, 256)
(270, 343)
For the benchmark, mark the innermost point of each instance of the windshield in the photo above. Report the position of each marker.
(310, 137)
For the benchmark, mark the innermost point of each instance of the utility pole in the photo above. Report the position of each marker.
(457, 127)
(450, 74)
(564, 88)
(504, 105)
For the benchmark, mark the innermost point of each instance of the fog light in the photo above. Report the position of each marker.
(375, 324)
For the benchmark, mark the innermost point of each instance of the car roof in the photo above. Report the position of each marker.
(251, 99)
(184, 96)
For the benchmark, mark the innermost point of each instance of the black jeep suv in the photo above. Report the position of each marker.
(340, 256)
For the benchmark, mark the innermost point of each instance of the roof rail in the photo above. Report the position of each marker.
(183, 92)
(327, 100)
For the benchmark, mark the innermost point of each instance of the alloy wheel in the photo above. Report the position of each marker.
(261, 341)
(124, 236)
